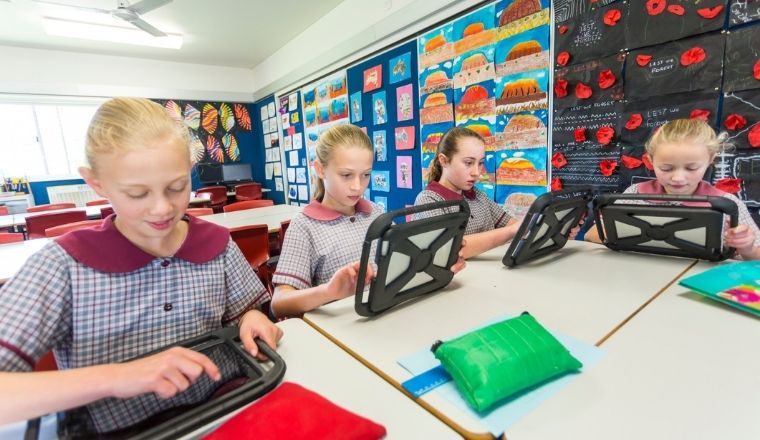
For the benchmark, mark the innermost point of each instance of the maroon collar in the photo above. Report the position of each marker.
(317, 211)
(448, 194)
(105, 249)
(703, 189)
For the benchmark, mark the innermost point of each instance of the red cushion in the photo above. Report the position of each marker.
(291, 411)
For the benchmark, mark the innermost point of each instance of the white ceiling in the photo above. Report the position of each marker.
(232, 33)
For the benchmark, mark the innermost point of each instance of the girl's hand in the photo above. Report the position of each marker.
(255, 324)
(460, 263)
(343, 282)
(166, 374)
(742, 238)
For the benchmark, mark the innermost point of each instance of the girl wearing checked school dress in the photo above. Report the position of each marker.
(319, 262)
(681, 151)
(147, 277)
(453, 174)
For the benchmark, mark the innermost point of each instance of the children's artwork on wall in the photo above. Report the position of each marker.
(230, 145)
(744, 11)
(430, 135)
(404, 103)
(310, 117)
(485, 127)
(214, 149)
(436, 46)
(518, 198)
(474, 101)
(400, 67)
(380, 145)
(742, 64)
(192, 117)
(339, 108)
(381, 181)
(379, 109)
(577, 127)
(522, 92)
(356, 107)
(242, 116)
(736, 172)
(436, 78)
(510, 11)
(487, 172)
(592, 81)
(525, 51)
(593, 165)
(474, 30)
(404, 138)
(437, 107)
(567, 9)
(641, 118)
(521, 167)
(474, 66)
(741, 119)
(300, 175)
(658, 21)
(680, 66)
(209, 118)
(383, 202)
(336, 87)
(404, 171)
(521, 130)
(226, 117)
(373, 78)
(594, 35)
(634, 166)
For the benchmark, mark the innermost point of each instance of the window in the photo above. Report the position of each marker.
(43, 141)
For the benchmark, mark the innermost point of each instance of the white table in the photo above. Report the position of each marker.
(685, 367)
(584, 291)
(269, 215)
(317, 364)
(14, 255)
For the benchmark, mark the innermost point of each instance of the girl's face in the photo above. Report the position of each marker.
(149, 189)
(680, 166)
(462, 170)
(345, 178)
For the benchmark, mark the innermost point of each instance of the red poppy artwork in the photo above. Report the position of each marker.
(634, 121)
(735, 121)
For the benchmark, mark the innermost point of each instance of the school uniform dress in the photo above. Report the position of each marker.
(95, 298)
(485, 214)
(703, 189)
(320, 241)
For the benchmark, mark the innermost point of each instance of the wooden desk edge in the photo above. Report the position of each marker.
(429, 408)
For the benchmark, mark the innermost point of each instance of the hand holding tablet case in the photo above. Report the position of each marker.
(412, 258)
(674, 225)
(546, 226)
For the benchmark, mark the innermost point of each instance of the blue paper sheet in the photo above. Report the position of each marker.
(500, 418)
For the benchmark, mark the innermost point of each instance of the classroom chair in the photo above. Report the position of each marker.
(62, 229)
(248, 191)
(97, 202)
(11, 237)
(37, 224)
(3, 210)
(253, 242)
(197, 212)
(248, 204)
(50, 207)
(272, 262)
(218, 196)
(105, 212)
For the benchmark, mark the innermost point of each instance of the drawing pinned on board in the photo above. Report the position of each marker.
(300, 175)
(404, 171)
(373, 78)
(297, 141)
(400, 68)
(379, 109)
(404, 103)
(404, 137)
(356, 107)
(383, 202)
(381, 181)
(378, 140)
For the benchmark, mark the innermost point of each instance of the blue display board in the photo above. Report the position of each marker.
(266, 124)
(293, 145)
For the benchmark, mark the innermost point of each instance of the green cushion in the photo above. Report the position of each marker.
(497, 361)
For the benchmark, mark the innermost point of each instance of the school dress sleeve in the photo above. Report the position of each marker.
(426, 197)
(298, 258)
(244, 288)
(35, 309)
(499, 215)
(745, 218)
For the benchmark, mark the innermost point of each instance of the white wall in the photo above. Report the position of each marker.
(352, 30)
(50, 72)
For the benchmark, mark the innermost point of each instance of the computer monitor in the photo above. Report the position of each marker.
(236, 172)
(209, 173)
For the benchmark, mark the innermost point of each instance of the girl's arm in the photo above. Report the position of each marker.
(484, 241)
(592, 235)
(288, 301)
(33, 394)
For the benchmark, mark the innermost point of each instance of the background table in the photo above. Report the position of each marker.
(269, 215)
(585, 291)
(14, 255)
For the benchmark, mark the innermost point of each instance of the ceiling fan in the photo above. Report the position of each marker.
(125, 11)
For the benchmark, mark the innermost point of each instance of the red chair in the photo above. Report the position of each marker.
(248, 204)
(283, 228)
(37, 224)
(253, 241)
(97, 202)
(3, 210)
(276, 248)
(50, 207)
(218, 196)
(10, 237)
(197, 212)
(248, 191)
(62, 229)
(105, 212)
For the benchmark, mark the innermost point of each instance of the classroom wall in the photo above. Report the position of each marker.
(52, 72)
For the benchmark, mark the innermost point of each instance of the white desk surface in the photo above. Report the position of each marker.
(14, 255)
(684, 368)
(314, 362)
(584, 291)
(269, 215)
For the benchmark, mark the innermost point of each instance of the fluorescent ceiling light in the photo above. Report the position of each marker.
(114, 34)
